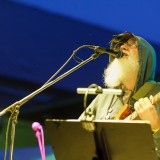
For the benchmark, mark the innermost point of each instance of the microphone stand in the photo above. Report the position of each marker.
(14, 108)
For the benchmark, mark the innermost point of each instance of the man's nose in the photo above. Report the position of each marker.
(124, 47)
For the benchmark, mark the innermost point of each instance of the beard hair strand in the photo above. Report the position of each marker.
(118, 70)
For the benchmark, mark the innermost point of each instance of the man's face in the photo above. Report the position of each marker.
(123, 68)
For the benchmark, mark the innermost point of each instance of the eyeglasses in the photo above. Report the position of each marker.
(132, 42)
(119, 40)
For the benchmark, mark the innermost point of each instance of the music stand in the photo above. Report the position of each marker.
(111, 140)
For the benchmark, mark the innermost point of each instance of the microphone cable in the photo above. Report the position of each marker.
(72, 56)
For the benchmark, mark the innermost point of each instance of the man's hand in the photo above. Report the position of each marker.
(147, 111)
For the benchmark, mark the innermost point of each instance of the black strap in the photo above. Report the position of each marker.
(145, 89)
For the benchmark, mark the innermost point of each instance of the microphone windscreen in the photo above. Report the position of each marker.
(36, 126)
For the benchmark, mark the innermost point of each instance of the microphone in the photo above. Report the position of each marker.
(116, 54)
(40, 137)
(99, 91)
(36, 126)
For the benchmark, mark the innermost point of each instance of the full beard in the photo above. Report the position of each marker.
(119, 70)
